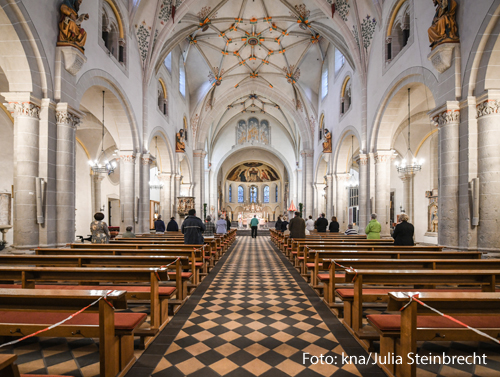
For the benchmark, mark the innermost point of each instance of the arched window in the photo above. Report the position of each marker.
(185, 129)
(162, 97)
(339, 61)
(398, 30)
(112, 32)
(241, 198)
(182, 77)
(266, 194)
(321, 126)
(168, 62)
(277, 197)
(253, 194)
(324, 79)
(230, 194)
(345, 96)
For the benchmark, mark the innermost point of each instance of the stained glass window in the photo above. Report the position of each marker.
(253, 194)
(266, 194)
(240, 194)
(230, 194)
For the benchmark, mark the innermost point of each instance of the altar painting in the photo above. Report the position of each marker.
(253, 172)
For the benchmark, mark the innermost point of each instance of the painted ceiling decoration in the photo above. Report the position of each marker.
(253, 172)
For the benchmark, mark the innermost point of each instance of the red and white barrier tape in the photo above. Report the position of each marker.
(414, 298)
(163, 268)
(347, 269)
(61, 322)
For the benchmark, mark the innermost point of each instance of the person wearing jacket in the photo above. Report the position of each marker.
(403, 232)
(221, 226)
(209, 227)
(159, 225)
(192, 228)
(254, 224)
(278, 224)
(334, 226)
(373, 228)
(228, 222)
(297, 227)
(321, 224)
(310, 224)
(172, 225)
(284, 225)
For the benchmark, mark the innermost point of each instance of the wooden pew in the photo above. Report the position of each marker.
(354, 298)
(29, 276)
(400, 332)
(48, 307)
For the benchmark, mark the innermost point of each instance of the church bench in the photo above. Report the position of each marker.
(400, 331)
(286, 239)
(99, 278)
(24, 311)
(353, 298)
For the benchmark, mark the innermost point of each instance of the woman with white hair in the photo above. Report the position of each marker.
(403, 232)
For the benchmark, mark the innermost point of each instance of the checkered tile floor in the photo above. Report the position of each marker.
(253, 320)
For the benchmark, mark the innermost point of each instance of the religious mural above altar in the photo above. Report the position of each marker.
(253, 172)
(252, 131)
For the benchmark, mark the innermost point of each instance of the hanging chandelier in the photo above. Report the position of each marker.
(353, 181)
(106, 167)
(409, 164)
(155, 182)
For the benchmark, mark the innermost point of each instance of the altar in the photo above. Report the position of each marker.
(249, 212)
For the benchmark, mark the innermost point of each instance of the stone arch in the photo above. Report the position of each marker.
(165, 158)
(342, 149)
(127, 124)
(381, 134)
(242, 90)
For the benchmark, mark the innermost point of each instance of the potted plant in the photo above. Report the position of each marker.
(3, 244)
(301, 206)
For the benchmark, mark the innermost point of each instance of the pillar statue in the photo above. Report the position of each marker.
(70, 31)
(444, 27)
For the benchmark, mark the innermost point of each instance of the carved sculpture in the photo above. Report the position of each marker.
(327, 144)
(70, 31)
(180, 145)
(444, 27)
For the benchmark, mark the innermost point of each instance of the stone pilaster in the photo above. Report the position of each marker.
(166, 195)
(382, 188)
(329, 200)
(362, 161)
(127, 189)
(26, 114)
(144, 204)
(307, 181)
(342, 215)
(177, 192)
(407, 196)
(448, 120)
(198, 180)
(67, 122)
(97, 182)
(488, 118)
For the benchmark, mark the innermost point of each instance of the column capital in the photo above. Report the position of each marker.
(147, 159)
(383, 156)
(22, 104)
(342, 176)
(361, 159)
(307, 153)
(488, 103)
(447, 114)
(127, 157)
(67, 115)
(98, 177)
(199, 153)
(165, 175)
(178, 177)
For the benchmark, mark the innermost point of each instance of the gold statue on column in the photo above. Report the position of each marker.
(327, 144)
(444, 27)
(70, 31)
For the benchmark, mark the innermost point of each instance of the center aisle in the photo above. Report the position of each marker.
(255, 320)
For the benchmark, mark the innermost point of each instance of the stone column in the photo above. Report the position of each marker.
(65, 173)
(144, 204)
(177, 192)
(382, 184)
(307, 181)
(127, 189)
(26, 156)
(329, 202)
(362, 161)
(448, 120)
(166, 195)
(342, 215)
(198, 179)
(488, 117)
(407, 196)
(97, 182)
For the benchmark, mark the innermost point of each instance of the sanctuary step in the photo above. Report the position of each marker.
(248, 232)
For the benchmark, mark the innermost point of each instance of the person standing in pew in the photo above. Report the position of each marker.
(209, 227)
(228, 222)
(159, 225)
(334, 226)
(172, 225)
(321, 224)
(350, 230)
(278, 224)
(99, 229)
(373, 228)
(192, 228)
(297, 227)
(221, 225)
(403, 232)
(310, 224)
(284, 224)
(128, 233)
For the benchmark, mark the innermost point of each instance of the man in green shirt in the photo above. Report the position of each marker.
(128, 233)
(373, 228)
(254, 223)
